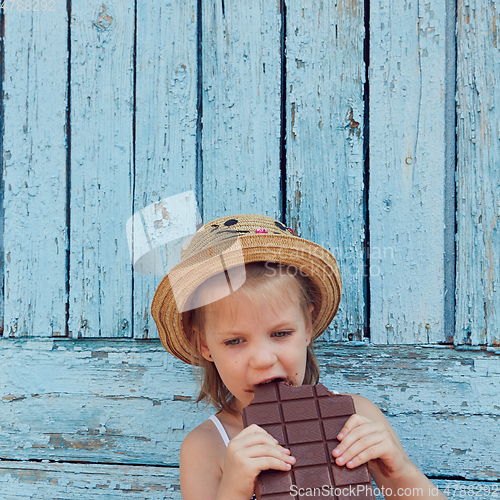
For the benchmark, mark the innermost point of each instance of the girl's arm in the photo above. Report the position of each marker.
(200, 471)
(250, 452)
(368, 437)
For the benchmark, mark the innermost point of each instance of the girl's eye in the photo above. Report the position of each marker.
(281, 335)
(232, 342)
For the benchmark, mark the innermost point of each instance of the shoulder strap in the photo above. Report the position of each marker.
(220, 428)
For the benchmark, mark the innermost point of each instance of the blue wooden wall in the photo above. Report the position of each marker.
(368, 126)
(332, 118)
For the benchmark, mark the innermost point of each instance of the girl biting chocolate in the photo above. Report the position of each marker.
(244, 305)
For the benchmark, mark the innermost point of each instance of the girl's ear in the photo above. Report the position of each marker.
(201, 344)
(309, 325)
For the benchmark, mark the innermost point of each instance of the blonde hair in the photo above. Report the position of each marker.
(263, 280)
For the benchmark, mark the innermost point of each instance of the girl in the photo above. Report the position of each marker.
(245, 304)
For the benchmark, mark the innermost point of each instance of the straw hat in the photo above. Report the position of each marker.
(225, 245)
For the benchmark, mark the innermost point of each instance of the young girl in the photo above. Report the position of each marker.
(245, 304)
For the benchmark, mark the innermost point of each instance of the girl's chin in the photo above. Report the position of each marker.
(244, 403)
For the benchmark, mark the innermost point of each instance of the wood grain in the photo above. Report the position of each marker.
(324, 142)
(40, 481)
(132, 403)
(241, 108)
(22, 480)
(34, 174)
(124, 407)
(478, 189)
(407, 171)
(102, 43)
(165, 149)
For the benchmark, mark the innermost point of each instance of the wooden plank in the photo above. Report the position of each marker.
(241, 108)
(2, 167)
(27, 480)
(324, 141)
(90, 401)
(407, 171)
(165, 152)
(478, 190)
(102, 45)
(111, 414)
(34, 175)
(455, 489)
(23, 480)
(468, 490)
(446, 394)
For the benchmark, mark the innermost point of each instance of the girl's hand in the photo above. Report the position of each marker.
(250, 452)
(368, 437)
(363, 440)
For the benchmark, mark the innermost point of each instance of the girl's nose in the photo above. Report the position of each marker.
(262, 357)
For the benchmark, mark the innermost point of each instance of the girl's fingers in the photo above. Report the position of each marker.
(258, 445)
(265, 463)
(260, 451)
(255, 444)
(254, 440)
(364, 443)
(252, 430)
(354, 421)
(352, 460)
(356, 434)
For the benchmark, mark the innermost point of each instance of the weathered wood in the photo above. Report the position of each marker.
(102, 45)
(478, 189)
(453, 489)
(122, 403)
(165, 151)
(413, 380)
(450, 396)
(407, 171)
(325, 73)
(31, 480)
(34, 176)
(241, 108)
(26, 480)
(132, 403)
(468, 490)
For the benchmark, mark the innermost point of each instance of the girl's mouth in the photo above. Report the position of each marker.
(276, 379)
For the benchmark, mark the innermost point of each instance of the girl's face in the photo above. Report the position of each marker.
(252, 342)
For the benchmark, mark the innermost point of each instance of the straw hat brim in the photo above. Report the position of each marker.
(308, 257)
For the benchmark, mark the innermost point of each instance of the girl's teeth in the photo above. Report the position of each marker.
(274, 380)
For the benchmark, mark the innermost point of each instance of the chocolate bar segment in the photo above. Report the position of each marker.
(306, 420)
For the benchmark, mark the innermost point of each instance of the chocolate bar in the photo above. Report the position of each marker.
(306, 420)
